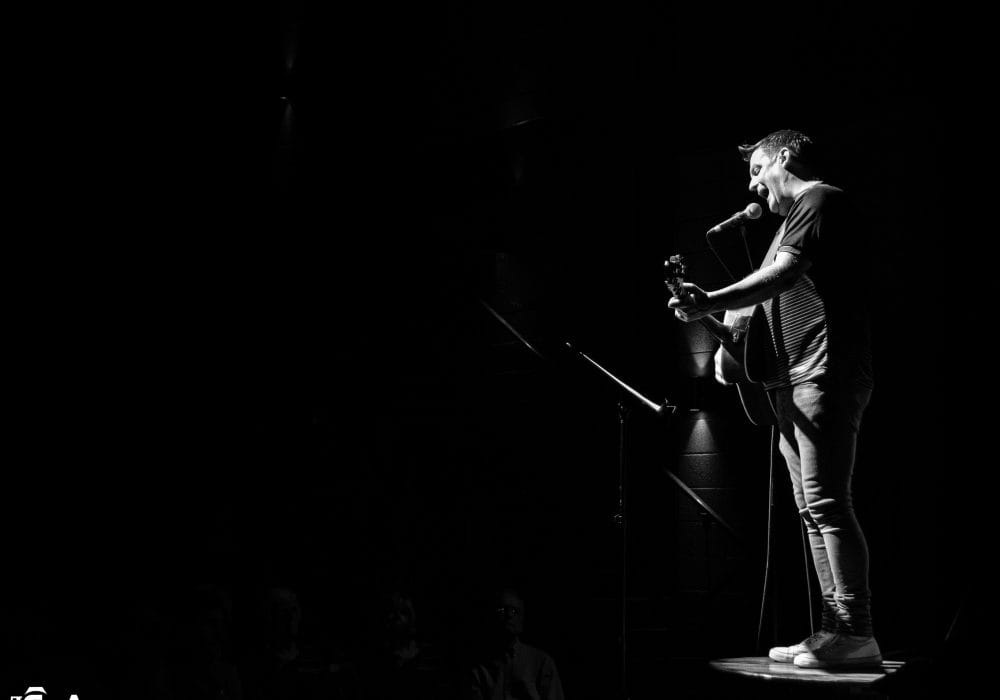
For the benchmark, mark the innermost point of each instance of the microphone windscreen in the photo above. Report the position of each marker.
(753, 211)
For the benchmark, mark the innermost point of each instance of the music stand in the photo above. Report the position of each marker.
(629, 397)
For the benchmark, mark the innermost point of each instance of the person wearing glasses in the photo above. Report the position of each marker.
(512, 670)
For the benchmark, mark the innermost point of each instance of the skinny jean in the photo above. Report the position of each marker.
(819, 423)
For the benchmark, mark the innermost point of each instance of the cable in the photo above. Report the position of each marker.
(805, 560)
(770, 533)
(718, 256)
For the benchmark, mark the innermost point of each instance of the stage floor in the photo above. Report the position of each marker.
(763, 668)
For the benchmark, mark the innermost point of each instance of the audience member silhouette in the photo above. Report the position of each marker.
(511, 669)
(396, 664)
(141, 663)
(22, 624)
(279, 665)
(202, 661)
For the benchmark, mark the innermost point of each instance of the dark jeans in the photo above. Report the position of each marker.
(819, 425)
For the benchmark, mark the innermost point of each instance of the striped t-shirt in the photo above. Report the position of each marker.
(820, 325)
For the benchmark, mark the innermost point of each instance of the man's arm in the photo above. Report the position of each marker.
(550, 687)
(756, 287)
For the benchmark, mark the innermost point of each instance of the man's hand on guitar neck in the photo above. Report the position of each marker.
(692, 305)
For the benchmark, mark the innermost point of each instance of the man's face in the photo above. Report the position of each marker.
(511, 613)
(767, 178)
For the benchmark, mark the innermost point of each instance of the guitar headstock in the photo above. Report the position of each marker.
(674, 272)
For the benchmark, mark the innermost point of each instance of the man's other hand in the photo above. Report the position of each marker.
(692, 304)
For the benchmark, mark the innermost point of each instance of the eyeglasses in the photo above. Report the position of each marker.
(508, 610)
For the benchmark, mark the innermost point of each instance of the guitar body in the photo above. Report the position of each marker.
(743, 362)
(730, 366)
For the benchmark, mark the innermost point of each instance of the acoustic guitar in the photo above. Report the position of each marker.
(744, 342)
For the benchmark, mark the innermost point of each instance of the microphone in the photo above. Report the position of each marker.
(752, 211)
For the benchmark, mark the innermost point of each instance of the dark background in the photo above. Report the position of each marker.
(250, 348)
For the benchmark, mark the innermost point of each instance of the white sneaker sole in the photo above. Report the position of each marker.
(781, 655)
(842, 663)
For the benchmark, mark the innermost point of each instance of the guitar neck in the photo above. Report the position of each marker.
(675, 281)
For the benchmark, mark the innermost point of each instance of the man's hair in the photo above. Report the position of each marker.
(799, 145)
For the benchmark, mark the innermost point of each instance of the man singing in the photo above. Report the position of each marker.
(821, 380)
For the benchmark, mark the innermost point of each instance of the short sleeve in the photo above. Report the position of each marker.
(806, 221)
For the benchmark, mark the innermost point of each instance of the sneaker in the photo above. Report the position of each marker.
(786, 655)
(844, 650)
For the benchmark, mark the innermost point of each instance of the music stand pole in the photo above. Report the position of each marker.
(620, 519)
